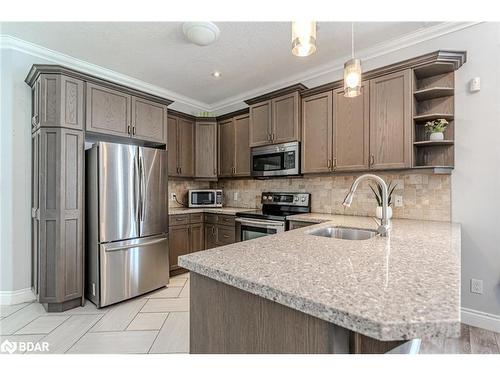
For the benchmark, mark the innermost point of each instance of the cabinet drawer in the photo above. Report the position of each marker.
(226, 220)
(225, 235)
(178, 220)
(196, 218)
(211, 218)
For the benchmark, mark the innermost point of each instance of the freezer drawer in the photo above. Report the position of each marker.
(133, 267)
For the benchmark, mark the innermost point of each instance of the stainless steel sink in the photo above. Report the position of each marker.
(345, 233)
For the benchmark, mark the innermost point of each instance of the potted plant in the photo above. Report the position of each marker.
(378, 196)
(436, 128)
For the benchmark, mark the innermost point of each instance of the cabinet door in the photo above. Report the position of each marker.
(173, 166)
(260, 124)
(285, 111)
(241, 146)
(226, 148)
(225, 235)
(351, 124)
(185, 134)
(108, 111)
(206, 150)
(197, 234)
(317, 133)
(149, 120)
(210, 236)
(179, 243)
(390, 121)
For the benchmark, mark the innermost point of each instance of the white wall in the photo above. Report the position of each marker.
(475, 181)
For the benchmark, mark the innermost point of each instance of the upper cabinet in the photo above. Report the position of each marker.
(275, 117)
(149, 120)
(234, 149)
(181, 143)
(206, 149)
(390, 121)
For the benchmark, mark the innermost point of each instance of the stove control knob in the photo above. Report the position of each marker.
(264, 197)
(303, 199)
(296, 199)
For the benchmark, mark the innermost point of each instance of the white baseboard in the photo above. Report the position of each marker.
(481, 319)
(17, 296)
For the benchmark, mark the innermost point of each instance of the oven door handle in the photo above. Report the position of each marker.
(260, 223)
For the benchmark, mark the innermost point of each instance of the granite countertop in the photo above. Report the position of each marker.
(399, 287)
(213, 210)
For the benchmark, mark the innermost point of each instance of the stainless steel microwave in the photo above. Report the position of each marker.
(205, 198)
(276, 160)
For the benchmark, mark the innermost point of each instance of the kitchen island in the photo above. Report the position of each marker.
(298, 293)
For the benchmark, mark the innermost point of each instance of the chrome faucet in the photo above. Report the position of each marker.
(385, 224)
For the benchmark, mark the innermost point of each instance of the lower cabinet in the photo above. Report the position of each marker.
(189, 233)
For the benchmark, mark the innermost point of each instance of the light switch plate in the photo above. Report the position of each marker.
(398, 200)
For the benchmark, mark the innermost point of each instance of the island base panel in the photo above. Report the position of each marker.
(225, 319)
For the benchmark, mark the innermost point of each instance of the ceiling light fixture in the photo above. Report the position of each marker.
(303, 38)
(352, 72)
(216, 74)
(201, 33)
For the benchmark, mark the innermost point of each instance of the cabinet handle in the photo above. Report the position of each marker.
(272, 137)
(372, 159)
(180, 170)
(329, 164)
(128, 129)
(133, 130)
(268, 137)
(334, 163)
(226, 236)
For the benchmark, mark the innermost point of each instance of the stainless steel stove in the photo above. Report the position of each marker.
(271, 219)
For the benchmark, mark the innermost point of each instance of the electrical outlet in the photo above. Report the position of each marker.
(398, 200)
(236, 195)
(476, 286)
(173, 196)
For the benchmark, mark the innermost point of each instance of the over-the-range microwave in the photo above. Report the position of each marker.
(205, 198)
(276, 160)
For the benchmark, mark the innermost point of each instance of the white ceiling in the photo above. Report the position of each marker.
(250, 55)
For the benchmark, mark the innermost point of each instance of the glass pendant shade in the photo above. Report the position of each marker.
(352, 78)
(303, 38)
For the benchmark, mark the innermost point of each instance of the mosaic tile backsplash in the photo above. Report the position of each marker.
(425, 196)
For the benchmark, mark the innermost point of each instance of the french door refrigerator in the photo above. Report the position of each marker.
(126, 222)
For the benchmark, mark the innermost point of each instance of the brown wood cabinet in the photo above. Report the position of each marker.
(197, 236)
(234, 150)
(179, 243)
(181, 144)
(210, 236)
(351, 126)
(317, 137)
(206, 150)
(260, 123)
(390, 121)
(149, 120)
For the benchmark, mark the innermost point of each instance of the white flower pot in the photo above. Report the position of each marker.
(378, 212)
(436, 136)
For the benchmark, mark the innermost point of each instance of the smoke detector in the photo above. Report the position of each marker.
(201, 33)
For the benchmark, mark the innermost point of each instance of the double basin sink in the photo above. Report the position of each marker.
(344, 233)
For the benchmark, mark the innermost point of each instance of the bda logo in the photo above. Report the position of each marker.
(8, 347)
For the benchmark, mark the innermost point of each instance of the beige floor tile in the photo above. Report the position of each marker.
(174, 335)
(185, 291)
(115, 342)
(170, 292)
(43, 324)
(166, 305)
(119, 317)
(19, 319)
(88, 308)
(177, 281)
(147, 321)
(64, 336)
(6, 310)
(20, 338)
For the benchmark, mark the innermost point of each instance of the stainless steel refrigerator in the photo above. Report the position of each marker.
(126, 222)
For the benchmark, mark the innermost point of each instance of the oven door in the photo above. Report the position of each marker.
(248, 229)
(276, 160)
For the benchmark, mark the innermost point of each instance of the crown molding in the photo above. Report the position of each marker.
(16, 44)
(338, 64)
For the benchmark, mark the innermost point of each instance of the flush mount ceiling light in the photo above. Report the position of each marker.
(303, 38)
(201, 33)
(352, 72)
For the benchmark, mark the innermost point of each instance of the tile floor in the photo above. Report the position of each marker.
(157, 323)
(154, 323)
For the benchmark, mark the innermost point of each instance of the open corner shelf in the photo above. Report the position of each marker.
(445, 142)
(433, 93)
(435, 169)
(433, 69)
(433, 116)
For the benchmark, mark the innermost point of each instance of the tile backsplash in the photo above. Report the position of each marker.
(425, 196)
(181, 187)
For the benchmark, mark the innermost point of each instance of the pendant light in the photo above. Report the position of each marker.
(352, 72)
(303, 38)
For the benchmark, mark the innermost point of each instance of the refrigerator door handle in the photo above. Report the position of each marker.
(143, 188)
(110, 247)
(137, 188)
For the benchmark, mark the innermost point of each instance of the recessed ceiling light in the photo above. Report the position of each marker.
(216, 74)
